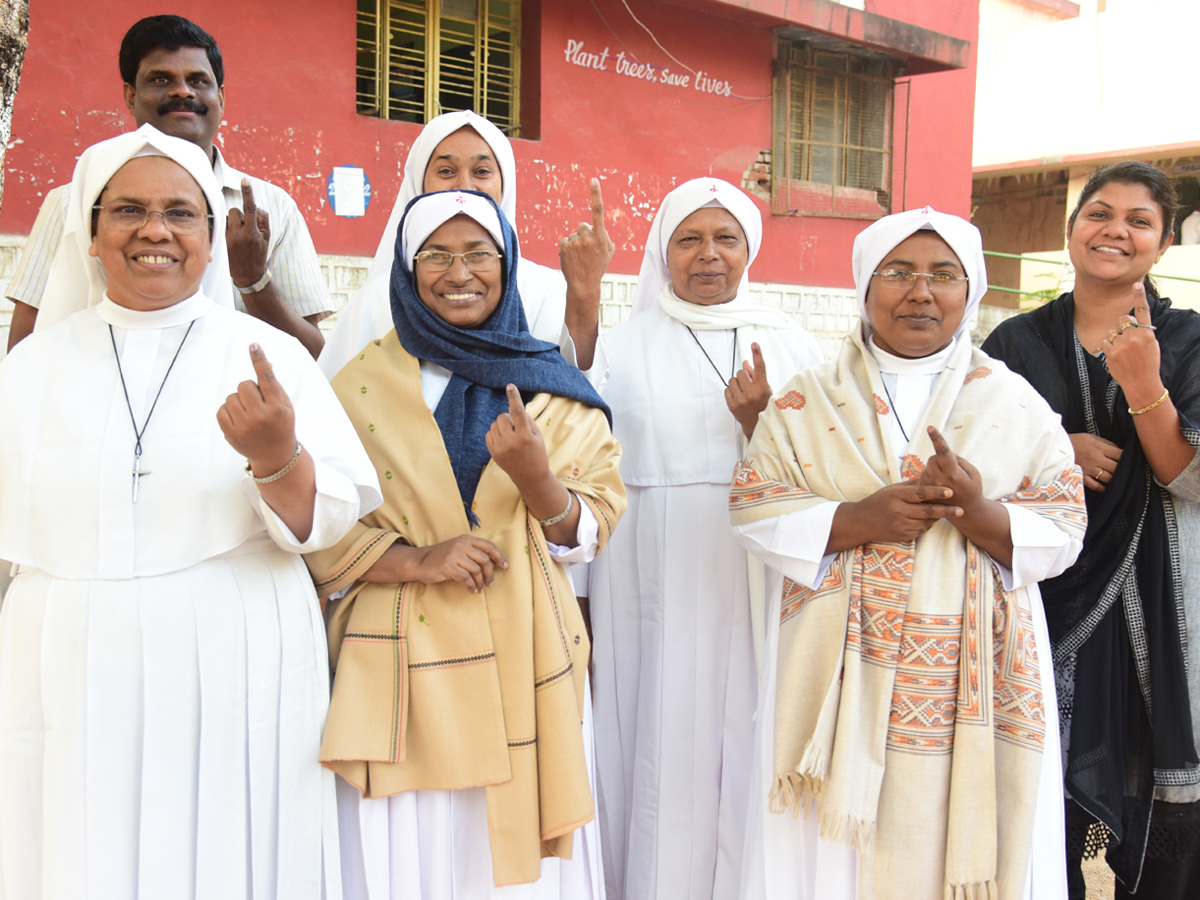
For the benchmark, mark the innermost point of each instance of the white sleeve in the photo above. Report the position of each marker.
(587, 536)
(347, 486)
(335, 510)
(793, 544)
(1041, 550)
(598, 374)
(295, 265)
(33, 269)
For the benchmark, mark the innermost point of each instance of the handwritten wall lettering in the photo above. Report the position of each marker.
(620, 64)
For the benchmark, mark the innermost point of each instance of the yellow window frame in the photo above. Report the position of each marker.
(475, 67)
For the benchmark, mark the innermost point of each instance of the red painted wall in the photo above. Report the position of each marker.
(290, 118)
(942, 115)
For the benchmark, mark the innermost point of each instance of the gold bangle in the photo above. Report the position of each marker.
(277, 475)
(1146, 409)
(562, 515)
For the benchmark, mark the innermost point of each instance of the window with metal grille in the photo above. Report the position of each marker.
(834, 127)
(420, 58)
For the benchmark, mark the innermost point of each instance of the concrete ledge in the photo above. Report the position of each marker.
(926, 50)
(829, 313)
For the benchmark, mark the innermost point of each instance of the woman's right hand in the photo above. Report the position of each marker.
(896, 513)
(1098, 459)
(471, 561)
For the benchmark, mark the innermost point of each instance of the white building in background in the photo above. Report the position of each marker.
(1063, 87)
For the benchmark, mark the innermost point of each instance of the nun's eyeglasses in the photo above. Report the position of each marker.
(902, 279)
(178, 219)
(441, 260)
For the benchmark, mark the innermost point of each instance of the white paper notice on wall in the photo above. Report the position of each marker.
(348, 191)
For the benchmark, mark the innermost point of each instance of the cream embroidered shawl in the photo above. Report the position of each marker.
(909, 704)
(436, 687)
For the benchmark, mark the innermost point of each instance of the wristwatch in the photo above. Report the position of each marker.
(257, 286)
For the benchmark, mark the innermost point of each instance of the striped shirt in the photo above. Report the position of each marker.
(291, 257)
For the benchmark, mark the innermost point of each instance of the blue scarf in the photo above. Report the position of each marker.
(483, 361)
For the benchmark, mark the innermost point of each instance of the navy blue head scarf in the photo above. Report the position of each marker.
(483, 360)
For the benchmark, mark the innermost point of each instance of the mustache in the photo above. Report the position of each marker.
(182, 104)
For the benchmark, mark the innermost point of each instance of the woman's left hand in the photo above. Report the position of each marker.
(585, 253)
(984, 522)
(516, 444)
(749, 393)
(1132, 354)
(947, 469)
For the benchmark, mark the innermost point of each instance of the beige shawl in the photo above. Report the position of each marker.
(437, 687)
(909, 704)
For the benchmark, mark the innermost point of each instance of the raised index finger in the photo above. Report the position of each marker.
(597, 206)
(516, 408)
(1141, 306)
(940, 447)
(268, 384)
(249, 207)
(760, 365)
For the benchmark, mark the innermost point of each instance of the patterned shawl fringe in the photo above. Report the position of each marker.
(795, 791)
(792, 791)
(848, 831)
(979, 890)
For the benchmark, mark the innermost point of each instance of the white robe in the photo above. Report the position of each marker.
(785, 856)
(673, 652)
(163, 665)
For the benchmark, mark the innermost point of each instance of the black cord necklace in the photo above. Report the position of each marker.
(895, 412)
(732, 362)
(138, 472)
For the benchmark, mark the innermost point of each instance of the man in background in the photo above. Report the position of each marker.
(174, 80)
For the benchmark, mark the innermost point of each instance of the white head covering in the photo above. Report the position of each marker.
(76, 280)
(435, 210)
(879, 238)
(677, 206)
(413, 185)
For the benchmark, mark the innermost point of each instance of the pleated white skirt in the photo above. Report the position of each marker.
(787, 859)
(433, 845)
(674, 692)
(159, 737)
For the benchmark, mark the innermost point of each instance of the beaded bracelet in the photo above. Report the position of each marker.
(276, 476)
(1146, 409)
(562, 515)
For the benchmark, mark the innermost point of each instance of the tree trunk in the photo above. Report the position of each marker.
(14, 31)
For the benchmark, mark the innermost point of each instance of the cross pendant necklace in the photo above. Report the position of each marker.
(138, 471)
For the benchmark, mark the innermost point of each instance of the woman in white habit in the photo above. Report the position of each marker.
(907, 738)
(672, 600)
(163, 670)
(462, 150)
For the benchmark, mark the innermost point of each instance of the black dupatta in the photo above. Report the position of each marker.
(1116, 616)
